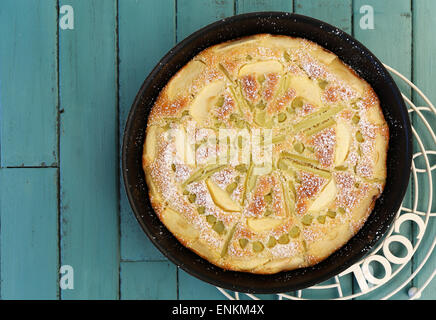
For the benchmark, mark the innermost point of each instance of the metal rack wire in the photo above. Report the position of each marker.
(395, 257)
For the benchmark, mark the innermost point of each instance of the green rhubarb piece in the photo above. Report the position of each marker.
(320, 127)
(261, 105)
(218, 227)
(299, 158)
(268, 212)
(282, 117)
(281, 164)
(299, 147)
(192, 197)
(211, 219)
(202, 174)
(225, 72)
(242, 168)
(271, 242)
(243, 242)
(294, 232)
(258, 246)
(283, 239)
(355, 119)
(231, 187)
(331, 214)
(341, 168)
(227, 241)
(316, 118)
(307, 220)
(359, 137)
(321, 219)
(278, 139)
(322, 84)
(297, 103)
(286, 56)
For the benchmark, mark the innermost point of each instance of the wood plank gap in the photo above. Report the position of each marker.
(1, 298)
(117, 134)
(144, 260)
(175, 21)
(412, 260)
(412, 47)
(58, 134)
(177, 283)
(352, 18)
(30, 167)
(412, 120)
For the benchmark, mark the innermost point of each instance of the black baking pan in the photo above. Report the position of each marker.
(352, 53)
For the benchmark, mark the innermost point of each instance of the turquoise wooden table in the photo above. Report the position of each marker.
(69, 71)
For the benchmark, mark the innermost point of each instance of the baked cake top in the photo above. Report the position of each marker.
(265, 153)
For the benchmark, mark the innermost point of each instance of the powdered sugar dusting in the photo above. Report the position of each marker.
(324, 144)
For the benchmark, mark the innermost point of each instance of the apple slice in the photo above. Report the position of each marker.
(282, 42)
(263, 224)
(375, 116)
(323, 55)
(347, 75)
(343, 141)
(184, 78)
(221, 198)
(261, 67)
(236, 43)
(325, 197)
(379, 171)
(205, 100)
(151, 143)
(306, 88)
(179, 225)
(183, 148)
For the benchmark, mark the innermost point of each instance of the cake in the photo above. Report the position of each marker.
(265, 154)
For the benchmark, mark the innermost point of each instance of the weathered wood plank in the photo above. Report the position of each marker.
(89, 150)
(424, 73)
(29, 233)
(194, 14)
(191, 288)
(142, 23)
(391, 42)
(392, 46)
(244, 6)
(148, 280)
(28, 83)
(335, 12)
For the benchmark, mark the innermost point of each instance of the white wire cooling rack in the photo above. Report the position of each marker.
(394, 264)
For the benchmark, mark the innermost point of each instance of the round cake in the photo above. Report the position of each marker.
(265, 153)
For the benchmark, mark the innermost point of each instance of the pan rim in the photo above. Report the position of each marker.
(363, 246)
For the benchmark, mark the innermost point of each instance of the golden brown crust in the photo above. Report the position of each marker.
(328, 154)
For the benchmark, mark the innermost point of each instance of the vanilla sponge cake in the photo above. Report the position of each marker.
(265, 153)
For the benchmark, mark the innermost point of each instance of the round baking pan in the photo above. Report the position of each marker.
(352, 53)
